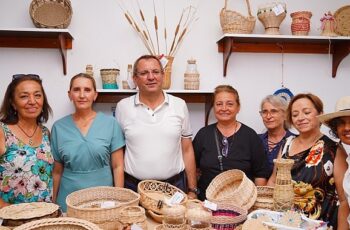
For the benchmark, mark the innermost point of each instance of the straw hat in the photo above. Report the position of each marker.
(342, 109)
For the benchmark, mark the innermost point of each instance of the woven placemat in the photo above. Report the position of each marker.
(342, 18)
(27, 210)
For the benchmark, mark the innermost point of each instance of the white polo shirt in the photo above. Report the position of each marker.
(153, 137)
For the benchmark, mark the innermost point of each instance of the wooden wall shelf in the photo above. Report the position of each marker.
(339, 47)
(38, 38)
(190, 96)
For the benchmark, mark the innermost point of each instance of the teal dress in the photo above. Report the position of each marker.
(86, 159)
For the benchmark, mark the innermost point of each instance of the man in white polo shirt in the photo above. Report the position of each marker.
(157, 131)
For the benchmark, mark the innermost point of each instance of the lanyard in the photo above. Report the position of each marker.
(219, 152)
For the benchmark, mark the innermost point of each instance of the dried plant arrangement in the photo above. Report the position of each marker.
(153, 29)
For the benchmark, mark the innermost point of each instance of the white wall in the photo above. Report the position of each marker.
(103, 38)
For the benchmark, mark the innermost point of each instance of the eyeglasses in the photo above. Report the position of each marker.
(272, 112)
(18, 76)
(155, 72)
(224, 150)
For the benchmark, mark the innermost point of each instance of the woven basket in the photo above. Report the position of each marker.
(167, 73)
(109, 78)
(228, 216)
(153, 194)
(51, 13)
(301, 23)
(18, 214)
(133, 215)
(63, 223)
(264, 199)
(234, 22)
(234, 187)
(269, 19)
(191, 81)
(86, 204)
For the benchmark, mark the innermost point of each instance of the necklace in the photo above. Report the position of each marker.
(29, 136)
(226, 142)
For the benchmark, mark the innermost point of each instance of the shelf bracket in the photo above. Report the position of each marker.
(340, 51)
(228, 43)
(63, 51)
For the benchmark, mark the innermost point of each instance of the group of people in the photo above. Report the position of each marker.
(151, 138)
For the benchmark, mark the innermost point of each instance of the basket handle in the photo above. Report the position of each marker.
(248, 5)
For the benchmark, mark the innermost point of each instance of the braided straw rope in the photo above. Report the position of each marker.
(63, 223)
(234, 22)
(234, 187)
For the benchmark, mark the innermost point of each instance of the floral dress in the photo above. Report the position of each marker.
(315, 191)
(25, 171)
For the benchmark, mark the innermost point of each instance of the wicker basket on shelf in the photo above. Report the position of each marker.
(62, 223)
(234, 22)
(269, 19)
(87, 204)
(51, 13)
(153, 195)
(232, 187)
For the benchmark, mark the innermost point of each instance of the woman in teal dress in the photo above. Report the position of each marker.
(26, 161)
(87, 146)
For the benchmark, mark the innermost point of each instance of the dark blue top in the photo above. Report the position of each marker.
(271, 155)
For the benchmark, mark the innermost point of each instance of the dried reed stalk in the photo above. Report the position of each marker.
(182, 28)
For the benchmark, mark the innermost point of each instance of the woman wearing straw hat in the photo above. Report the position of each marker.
(339, 124)
(319, 164)
(228, 144)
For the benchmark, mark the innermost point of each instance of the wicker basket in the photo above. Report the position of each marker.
(109, 78)
(167, 73)
(51, 13)
(264, 199)
(86, 204)
(234, 22)
(301, 23)
(269, 19)
(133, 215)
(228, 216)
(18, 214)
(233, 187)
(342, 18)
(153, 194)
(63, 223)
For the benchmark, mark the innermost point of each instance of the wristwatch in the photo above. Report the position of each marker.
(194, 190)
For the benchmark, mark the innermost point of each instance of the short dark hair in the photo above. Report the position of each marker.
(315, 100)
(146, 57)
(83, 75)
(8, 114)
(333, 126)
(227, 89)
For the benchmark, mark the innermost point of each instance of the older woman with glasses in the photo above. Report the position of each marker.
(26, 161)
(228, 144)
(273, 113)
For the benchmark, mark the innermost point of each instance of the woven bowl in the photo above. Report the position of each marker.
(228, 216)
(86, 204)
(154, 193)
(51, 13)
(133, 215)
(232, 187)
(63, 223)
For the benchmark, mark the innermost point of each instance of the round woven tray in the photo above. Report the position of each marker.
(17, 214)
(86, 204)
(232, 187)
(51, 13)
(63, 223)
(228, 216)
(342, 18)
(154, 193)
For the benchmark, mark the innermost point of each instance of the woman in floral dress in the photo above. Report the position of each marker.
(26, 161)
(319, 164)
